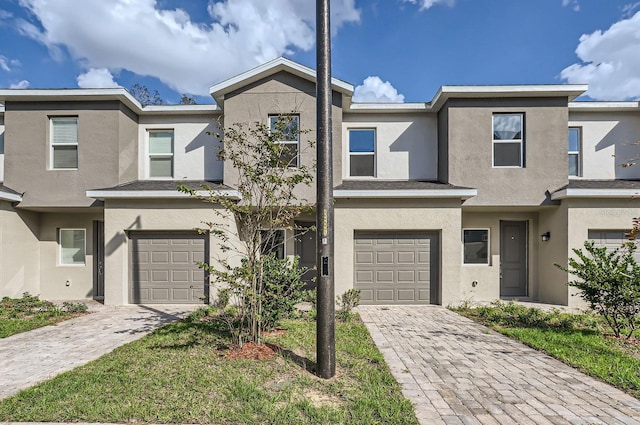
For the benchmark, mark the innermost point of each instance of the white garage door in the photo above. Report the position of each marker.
(164, 268)
(611, 239)
(396, 267)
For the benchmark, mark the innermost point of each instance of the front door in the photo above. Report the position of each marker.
(306, 250)
(513, 259)
(98, 260)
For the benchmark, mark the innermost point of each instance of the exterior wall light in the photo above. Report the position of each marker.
(545, 236)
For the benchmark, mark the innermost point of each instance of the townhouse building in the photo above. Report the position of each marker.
(472, 196)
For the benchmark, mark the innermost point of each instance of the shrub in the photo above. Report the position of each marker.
(74, 307)
(347, 302)
(610, 283)
(282, 289)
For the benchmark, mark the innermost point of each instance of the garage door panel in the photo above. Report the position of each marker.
(164, 267)
(384, 257)
(611, 239)
(404, 269)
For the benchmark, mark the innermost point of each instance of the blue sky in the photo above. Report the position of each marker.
(392, 50)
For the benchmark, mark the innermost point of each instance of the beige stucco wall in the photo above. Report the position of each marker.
(608, 140)
(443, 216)
(487, 277)
(596, 214)
(406, 144)
(552, 281)
(1, 146)
(19, 252)
(284, 93)
(195, 146)
(470, 151)
(122, 216)
(27, 133)
(58, 282)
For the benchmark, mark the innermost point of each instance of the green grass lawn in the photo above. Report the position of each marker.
(29, 312)
(578, 340)
(181, 374)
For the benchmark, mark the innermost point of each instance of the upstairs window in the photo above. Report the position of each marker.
(161, 154)
(362, 148)
(575, 142)
(64, 143)
(508, 141)
(288, 129)
(475, 246)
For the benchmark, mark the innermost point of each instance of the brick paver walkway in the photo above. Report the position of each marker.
(456, 371)
(34, 356)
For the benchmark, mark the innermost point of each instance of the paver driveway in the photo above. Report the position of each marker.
(455, 371)
(34, 356)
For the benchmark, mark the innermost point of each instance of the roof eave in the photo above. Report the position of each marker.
(594, 193)
(419, 193)
(158, 194)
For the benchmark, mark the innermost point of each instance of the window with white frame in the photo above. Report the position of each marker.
(161, 154)
(64, 143)
(508, 140)
(273, 242)
(72, 247)
(362, 152)
(575, 142)
(475, 246)
(288, 129)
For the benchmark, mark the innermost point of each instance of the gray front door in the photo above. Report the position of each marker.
(513, 259)
(306, 250)
(98, 260)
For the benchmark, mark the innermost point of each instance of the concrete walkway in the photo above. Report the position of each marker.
(41, 354)
(455, 371)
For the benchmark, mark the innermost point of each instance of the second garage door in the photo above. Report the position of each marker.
(164, 268)
(396, 267)
(611, 239)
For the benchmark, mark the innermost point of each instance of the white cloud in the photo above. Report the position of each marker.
(428, 4)
(20, 85)
(610, 61)
(573, 4)
(7, 64)
(373, 89)
(630, 9)
(96, 78)
(189, 57)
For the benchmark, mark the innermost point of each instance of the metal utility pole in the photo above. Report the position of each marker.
(326, 324)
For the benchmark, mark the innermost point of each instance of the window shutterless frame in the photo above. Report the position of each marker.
(274, 241)
(476, 245)
(160, 153)
(574, 149)
(290, 135)
(63, 143)
(361, 152)
(508, 143)
(72, 247)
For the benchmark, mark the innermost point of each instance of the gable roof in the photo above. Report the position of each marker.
(218, 91)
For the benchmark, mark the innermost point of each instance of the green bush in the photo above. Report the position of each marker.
(610, 283)
(346, 303)
(282, 289)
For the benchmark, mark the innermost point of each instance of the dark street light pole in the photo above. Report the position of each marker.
(326, 339)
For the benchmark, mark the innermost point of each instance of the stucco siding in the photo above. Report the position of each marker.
(441, 216)
(470, 150)
(609, 139)
(552, 281)
(19, 252)
(406, 145)
(195, 146)
(128, 145)
(60, 282)
(27, 143)
(481, 282)
(122, 216)
(284, 93)
(1, 147)
(594, 214)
